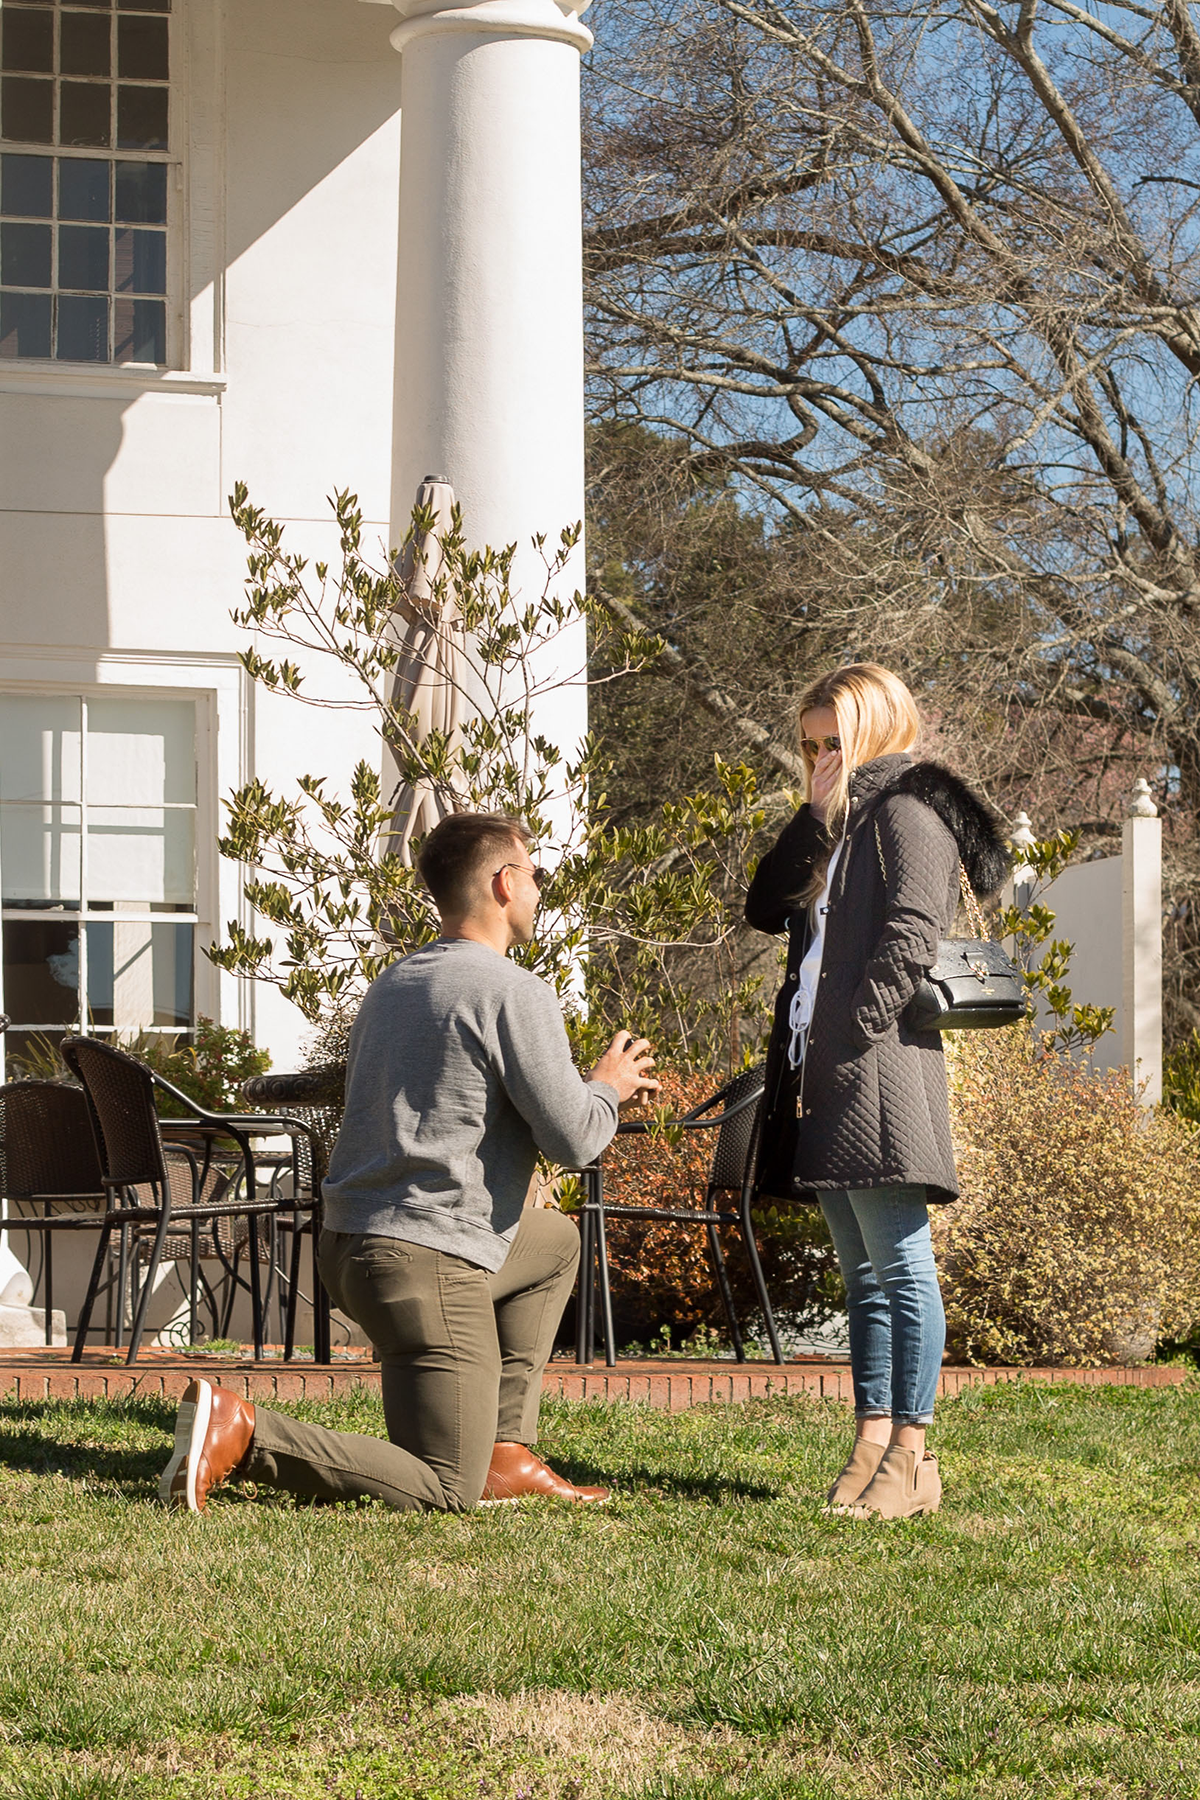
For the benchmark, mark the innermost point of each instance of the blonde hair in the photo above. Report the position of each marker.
(876, 715)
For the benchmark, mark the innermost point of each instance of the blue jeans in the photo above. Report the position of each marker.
(897, 1324)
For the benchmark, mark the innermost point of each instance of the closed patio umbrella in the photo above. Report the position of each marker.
(432, 673)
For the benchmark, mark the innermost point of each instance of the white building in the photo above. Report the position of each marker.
(209, 254)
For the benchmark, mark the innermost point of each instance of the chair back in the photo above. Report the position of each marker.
(120, 1096)
(735, 1138)
(46, 1142)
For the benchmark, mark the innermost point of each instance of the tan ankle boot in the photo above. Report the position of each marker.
(903, 1485)
(865, 1458)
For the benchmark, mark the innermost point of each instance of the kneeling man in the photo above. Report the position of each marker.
(459, 1073)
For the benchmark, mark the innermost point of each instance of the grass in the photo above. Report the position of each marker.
(708, 1636)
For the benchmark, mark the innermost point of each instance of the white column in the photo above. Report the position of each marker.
(489, 335)
(1141, 943)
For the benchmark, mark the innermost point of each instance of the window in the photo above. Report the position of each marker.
(83, 236)
(97, 864)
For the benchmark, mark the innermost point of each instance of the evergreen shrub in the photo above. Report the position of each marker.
(210, 1069)
(1181, 1078)
(1075, 1241)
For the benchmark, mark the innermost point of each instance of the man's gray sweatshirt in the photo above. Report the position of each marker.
(459, 1073)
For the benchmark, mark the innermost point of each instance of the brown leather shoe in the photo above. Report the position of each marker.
(515, 1471)
(213, 1433)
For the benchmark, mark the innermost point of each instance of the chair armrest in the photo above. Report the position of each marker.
(199, 1118)
(692, 1121)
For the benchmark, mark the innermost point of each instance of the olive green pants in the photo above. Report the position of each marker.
(461, 1354)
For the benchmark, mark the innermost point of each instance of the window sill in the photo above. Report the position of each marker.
(105, 381)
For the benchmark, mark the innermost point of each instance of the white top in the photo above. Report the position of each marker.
(805, 998)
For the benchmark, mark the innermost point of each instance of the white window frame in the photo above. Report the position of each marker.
(177, 347)
(220, 690)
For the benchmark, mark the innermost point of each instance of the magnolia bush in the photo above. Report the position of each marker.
(1075, 1238)
(636, 923)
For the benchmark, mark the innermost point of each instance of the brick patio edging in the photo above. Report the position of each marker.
(668, 1386)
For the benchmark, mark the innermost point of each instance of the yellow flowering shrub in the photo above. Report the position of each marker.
(1077, 1237)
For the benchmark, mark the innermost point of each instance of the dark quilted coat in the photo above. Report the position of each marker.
(869, 1107)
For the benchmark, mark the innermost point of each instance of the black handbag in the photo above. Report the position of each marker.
(974, 985)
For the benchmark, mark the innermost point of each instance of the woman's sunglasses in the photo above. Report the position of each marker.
(813, 746)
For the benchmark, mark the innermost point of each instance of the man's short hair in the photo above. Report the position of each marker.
(464, 847)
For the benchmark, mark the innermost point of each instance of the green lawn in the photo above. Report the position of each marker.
(706, 1635)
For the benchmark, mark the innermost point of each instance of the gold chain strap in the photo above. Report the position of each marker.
(970, 902)
(973, 909)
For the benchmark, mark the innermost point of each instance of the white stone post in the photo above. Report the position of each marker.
(1019, 886)
(1141, 943)
(489, 335)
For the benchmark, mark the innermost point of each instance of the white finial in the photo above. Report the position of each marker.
(1022, 835)
(1140, 804)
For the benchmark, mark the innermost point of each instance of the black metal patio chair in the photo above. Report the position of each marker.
(733, 1113)
(48, 1161)
(179, 1179)
(316, 1098)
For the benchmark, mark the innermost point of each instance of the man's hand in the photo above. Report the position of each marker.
(626, 1066)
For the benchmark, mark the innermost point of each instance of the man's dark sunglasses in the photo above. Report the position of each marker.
(540, 876)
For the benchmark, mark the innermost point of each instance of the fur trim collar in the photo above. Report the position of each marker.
(976, 829)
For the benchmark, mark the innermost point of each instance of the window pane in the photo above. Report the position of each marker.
(140, 263)
(154, 6)
(139, 974)
(41, 971)
(141, 193)
(98, 5)
(142, 118)
(120, 975)
(100, 975)
(141, 853)
(39, 854)
(83, 257)
(141, 753)
(25, 255)
(27, 110)
(142, 49)
(24, 325)
(82, 329)
(83, 188)
(140, 331)
(173, 965)
(84, 113)
(85, 45)
(28, 39)
(26, 185)
(40, 747)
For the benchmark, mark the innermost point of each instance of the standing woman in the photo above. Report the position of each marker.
(865, 880)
